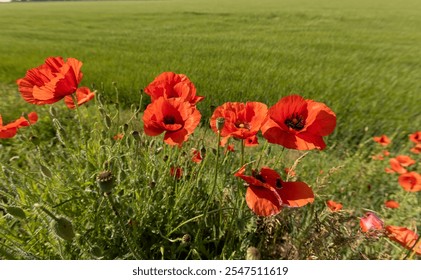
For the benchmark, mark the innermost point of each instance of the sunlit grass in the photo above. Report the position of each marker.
(359, 57)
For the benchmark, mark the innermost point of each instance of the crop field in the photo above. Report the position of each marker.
(359, 60)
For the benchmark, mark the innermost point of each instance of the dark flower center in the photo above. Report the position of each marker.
(240, 124)
(278, 183)
(295, 122)
(259, 177)
(169, 120)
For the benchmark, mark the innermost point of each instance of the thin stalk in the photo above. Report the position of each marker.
(123, 228)
(215, 178)
(242, 152)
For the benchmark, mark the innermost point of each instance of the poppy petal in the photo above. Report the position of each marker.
(295, 194)
(263, 201)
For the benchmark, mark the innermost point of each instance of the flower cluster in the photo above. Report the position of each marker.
(409, 180)
(173, 108)
(371, 224)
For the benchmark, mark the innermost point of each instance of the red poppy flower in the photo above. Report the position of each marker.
(52, 81)
(410, 182)
(171, 85)
(10, 130)
(334, 206)
(176, 118)
(298, 123)
(382, 140)
(176, 172)
(251, 141)
(405, 160)
(416, 149)
(404, 237)
(391, 204)
(196, 156)
(395, 167)
(266, 192)
(242, 121)
(230, 148)
(118, 136)
(83, 95)
(415, 137)
(370, 222)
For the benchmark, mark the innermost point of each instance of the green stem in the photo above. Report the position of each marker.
(215, 178)
(242, 152)
(123, 228)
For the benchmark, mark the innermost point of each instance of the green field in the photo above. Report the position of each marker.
(361, 58)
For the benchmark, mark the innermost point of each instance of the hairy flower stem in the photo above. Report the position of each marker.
(74, 98)
(242, 152)
(215, 178)
(128, 240)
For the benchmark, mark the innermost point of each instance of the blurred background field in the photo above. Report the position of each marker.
(359, 57)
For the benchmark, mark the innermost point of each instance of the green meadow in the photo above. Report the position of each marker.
(361, 58)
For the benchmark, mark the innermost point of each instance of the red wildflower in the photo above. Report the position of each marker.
(395, 167)
(83, 95)
(334, 206)
(410, 182)
(52, 81)
(197, 156)
(391, 204)
(118, 136)
(171, 85)
(405, 160)
(404, 237)
(176, 118)
(298, 123)
(382, 140)
(10, 130)
(230, 148)
(176, 172)
(415, 137)
(251, 141)
(242, 121)
(416, 149)
(266, 192)
(370, 222)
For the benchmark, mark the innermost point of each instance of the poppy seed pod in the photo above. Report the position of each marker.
(64, 228)
(105, 181)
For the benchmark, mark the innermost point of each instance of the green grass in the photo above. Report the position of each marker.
(360, 58)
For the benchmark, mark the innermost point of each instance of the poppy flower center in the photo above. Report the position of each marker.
(259, 177)
(240, 124)
(169, 120)
(295, 122)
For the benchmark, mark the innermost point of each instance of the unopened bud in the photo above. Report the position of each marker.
(64, 228)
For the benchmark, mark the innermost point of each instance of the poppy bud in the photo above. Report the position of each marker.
(105, 181)
(125, 127)
(253, 254)
(136, 135)
(220, 123)
(64, 228)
